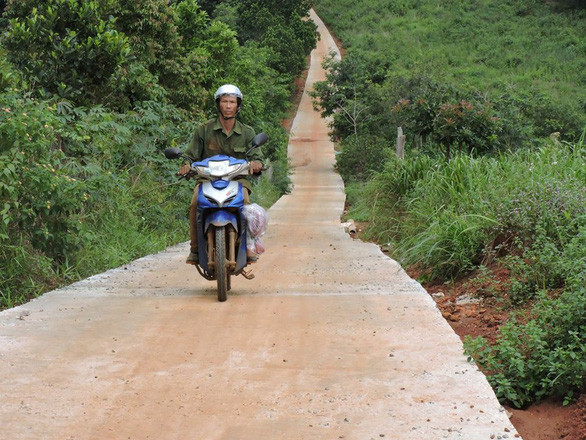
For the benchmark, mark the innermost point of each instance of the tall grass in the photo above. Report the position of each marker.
(449, 217)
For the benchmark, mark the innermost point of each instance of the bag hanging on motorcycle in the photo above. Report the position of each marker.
(257, 220)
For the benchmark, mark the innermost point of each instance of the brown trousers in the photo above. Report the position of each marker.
(193, 216)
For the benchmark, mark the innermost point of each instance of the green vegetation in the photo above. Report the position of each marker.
(492, 100)
(91, 94)
(519, 61)
(540, 357)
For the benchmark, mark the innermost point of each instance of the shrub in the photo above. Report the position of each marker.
(360, 157)
(544, 356)
(66, 47)
(280, 26)
(38, 194)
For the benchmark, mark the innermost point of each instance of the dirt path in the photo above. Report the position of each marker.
(332, 340)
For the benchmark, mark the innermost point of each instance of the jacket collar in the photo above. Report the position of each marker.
(237, 126)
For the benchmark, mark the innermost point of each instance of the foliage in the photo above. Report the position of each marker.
(25, 273)
(544, 356)
(453, 215)
(61, 178)
(178, 45)
(38, 195)
(8, 75)
(66, 47)
(345, 96)
(461, 124)
(92, 93)
(433, 56)
(279, 26)
(360, 157)
(119, 53)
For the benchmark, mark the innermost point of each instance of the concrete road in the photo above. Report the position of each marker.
(332, 340)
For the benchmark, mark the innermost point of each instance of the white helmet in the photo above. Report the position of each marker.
(230, 90)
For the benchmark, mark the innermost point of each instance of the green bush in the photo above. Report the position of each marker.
(542, 357)
(281, 27)
(38, 195)
(66, 47)
(360, 157)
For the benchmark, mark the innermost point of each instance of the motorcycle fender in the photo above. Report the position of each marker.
(221, 218)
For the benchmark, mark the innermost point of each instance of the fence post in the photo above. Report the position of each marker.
(400, 143)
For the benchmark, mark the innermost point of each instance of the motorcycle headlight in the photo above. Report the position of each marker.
(219, 168)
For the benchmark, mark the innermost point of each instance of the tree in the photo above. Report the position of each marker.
(65, 47)
(282, 26)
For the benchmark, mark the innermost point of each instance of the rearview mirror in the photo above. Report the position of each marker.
(259, 139)
(173, 153)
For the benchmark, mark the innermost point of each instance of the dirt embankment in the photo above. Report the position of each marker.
(466, 308)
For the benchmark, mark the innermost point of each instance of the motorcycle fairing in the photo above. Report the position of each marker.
(220, 165)
(220, 194)
(211, 212)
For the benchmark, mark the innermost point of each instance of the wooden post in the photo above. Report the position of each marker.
(400, 143)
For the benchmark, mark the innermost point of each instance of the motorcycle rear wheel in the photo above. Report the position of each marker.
(221, 264)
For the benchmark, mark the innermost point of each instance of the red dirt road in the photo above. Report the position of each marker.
(332, 340)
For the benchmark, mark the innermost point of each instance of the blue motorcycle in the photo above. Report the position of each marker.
(221, 224)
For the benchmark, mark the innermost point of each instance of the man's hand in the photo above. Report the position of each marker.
(255, 167)
(184, 170)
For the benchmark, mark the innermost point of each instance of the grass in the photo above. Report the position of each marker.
(523, 60)
(444, 216)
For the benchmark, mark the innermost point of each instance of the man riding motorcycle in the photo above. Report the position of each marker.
(221, 135)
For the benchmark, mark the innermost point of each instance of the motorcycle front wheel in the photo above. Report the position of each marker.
(221, 264)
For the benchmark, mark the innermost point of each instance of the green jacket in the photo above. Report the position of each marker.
(210, 139)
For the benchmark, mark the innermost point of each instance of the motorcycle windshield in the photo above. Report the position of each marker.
(219, 166)
(219, 158)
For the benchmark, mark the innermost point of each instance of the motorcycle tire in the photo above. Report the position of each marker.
(221, 264)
